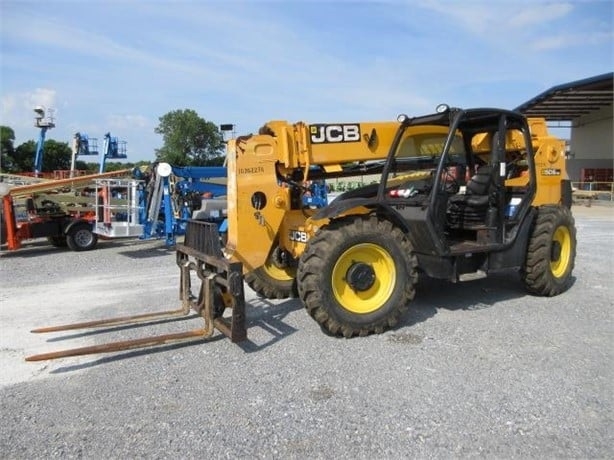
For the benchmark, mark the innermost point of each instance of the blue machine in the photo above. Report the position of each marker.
(316, 195)
(177, 194)
(44, 121)
(84, 145)
(113, 149)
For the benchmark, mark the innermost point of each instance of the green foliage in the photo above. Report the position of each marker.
(189, 140)
(7, 152)
(24, 157)
(116, 166)
(56, 156)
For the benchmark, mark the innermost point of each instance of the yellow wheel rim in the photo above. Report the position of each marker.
(559, 260)
(373, 297)
(279, 274)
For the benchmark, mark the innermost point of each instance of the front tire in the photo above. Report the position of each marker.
(551, 252)
(81, 238)
(357, 277)
(272, 282)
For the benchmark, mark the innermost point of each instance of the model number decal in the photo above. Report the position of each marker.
(296, 235)
(322, 134)
(551, 172)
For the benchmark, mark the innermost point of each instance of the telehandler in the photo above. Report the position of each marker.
(462, 193)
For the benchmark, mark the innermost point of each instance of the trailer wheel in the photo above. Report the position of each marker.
(272, 282)
(551, 252)
(81, 238)
(57, 241)
(357, 277)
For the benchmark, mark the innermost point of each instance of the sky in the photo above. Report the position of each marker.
(117, 66)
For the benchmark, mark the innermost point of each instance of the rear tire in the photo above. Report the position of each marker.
(81, 238)
(357, 276)
(551, 252)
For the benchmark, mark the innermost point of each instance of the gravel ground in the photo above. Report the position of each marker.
(476, 369)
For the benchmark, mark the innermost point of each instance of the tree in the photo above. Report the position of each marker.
(189, 140)
(24, 156)
(56, 156)
(7, 150)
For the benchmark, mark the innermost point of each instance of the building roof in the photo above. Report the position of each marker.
(569, 101)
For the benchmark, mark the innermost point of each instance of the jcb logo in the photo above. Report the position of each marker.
(296, 235)
(321, 134)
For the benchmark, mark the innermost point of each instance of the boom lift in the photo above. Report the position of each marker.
(158, 201)
(43, 217)
(175, 195)
(44, 121)
(462, 193)
(82, 145)
(113, 149)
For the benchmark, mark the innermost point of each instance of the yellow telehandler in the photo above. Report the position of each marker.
(461, 193)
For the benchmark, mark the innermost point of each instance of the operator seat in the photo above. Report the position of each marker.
(469, 209)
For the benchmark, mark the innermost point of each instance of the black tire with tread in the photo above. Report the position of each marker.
(315, 275)
(268, 287)
(77, 242)
(537, 274)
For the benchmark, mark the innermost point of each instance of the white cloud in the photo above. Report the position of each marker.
(535, 14)
(18, 107)
(500, 17)
(127, 121)
(572, 40)
(41, 96)
(267, 62)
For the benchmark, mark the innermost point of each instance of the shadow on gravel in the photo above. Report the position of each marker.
(33, 249)
(39, 247)
(433, 294)
(147, 253)
(261, 313)
(269, 317)
(123, 327)
(134, 354)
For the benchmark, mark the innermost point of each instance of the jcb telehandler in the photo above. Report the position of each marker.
(462, 193)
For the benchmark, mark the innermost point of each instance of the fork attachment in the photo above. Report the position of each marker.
(221, 287)
(222, 280)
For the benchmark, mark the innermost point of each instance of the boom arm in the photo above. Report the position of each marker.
(266, 173)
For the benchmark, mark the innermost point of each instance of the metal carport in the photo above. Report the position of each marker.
(585, 106)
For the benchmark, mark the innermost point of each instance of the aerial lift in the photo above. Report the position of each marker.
(44, 120)
(42, 217)
(112, 149)
(462, 193)
(176, 194)
(158, 201)
(82, 145)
